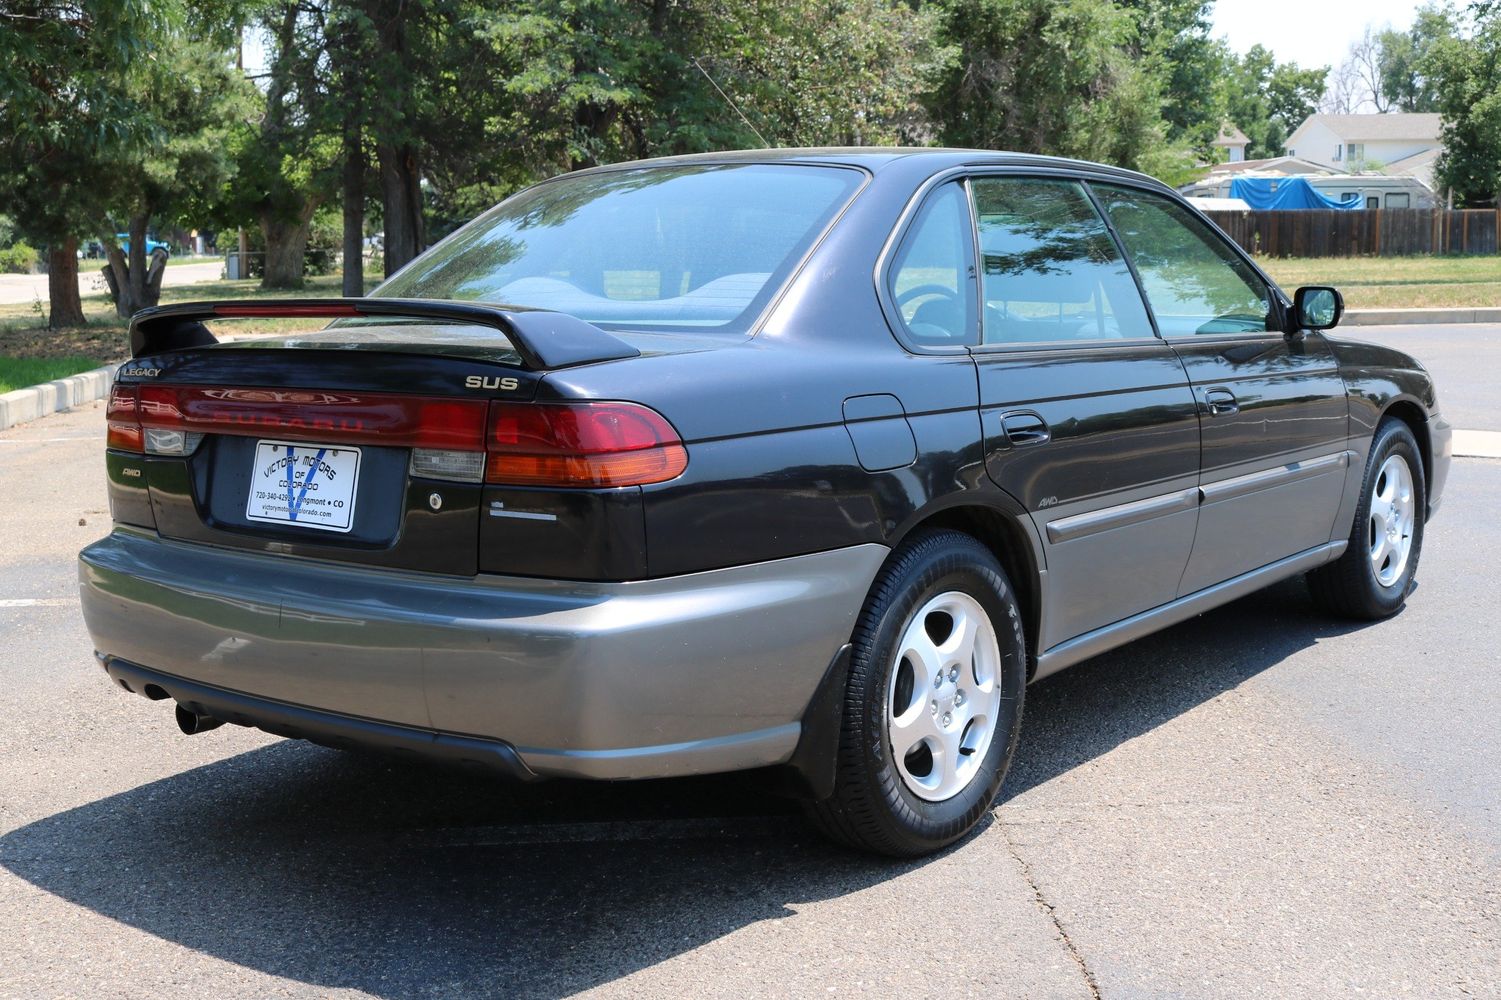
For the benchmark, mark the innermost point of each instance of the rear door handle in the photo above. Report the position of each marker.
(1025, 427)
(1221, 402)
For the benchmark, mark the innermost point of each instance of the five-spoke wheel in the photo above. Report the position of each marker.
(944, 696)
(934, 698)
(1373, 577)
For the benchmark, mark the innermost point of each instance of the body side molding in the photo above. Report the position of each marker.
(1066, 654)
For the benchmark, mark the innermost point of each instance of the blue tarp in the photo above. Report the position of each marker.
(1284, 193)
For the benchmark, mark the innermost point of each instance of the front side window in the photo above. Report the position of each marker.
(1050, 271)
(700, 247)
(932, 280)
(1195, 284)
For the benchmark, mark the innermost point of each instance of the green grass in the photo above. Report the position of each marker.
(1395, 282)
(17, 373)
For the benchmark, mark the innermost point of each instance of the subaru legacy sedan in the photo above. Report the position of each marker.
(806, 461)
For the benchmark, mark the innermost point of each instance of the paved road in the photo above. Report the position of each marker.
(16, 288)
(1260, 802)
(1465, 360)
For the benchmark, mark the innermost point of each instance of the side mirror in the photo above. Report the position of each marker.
(1317, 307)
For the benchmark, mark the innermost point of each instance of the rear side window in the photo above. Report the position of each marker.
(932, 277)
(700, 247)
(1050, 270)
(1194, 282)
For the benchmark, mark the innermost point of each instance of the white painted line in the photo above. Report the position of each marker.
(81, 437)
(37, 602)
(1477, 444)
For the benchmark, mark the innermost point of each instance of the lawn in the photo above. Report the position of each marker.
(18, 373)
(1395, 282)
(23, 335)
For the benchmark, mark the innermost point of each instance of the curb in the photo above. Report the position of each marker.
(37, 401)
(1406, 317)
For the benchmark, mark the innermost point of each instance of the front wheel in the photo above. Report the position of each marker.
(933, 706)
(1372, 579)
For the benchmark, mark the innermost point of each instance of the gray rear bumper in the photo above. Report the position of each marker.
(693, 674)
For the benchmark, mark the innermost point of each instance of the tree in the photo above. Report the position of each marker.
(1405, 85)
(66, 116)
(190, 104)
(1465, 74)
(1045, 77)
(1268, 99)
(285, 154)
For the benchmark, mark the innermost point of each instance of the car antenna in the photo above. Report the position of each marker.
(732, 104)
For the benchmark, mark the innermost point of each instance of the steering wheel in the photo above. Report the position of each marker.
(918, 291)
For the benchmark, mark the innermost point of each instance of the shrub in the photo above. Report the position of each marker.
(18, 259)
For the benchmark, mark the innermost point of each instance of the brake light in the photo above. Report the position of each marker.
(318, 415)
(122, 420)
(573, 445)
(561, 445)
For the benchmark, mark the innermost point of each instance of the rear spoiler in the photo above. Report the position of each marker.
(544, 339)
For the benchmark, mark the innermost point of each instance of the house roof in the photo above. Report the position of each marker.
(1230, 136)
(1282, 165)
(1374, 128)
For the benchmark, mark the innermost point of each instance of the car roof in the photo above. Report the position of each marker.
(873, 158)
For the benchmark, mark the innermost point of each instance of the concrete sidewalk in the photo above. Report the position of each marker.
(1405, 317)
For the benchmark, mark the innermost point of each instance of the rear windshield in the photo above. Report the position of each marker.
(667, 248)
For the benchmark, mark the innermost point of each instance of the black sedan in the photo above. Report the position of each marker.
(805, 460)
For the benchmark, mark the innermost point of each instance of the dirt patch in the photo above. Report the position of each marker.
(106, 343)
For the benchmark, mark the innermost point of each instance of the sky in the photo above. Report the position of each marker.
(1310, 33)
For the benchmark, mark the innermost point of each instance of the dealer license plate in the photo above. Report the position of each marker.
(308, 484)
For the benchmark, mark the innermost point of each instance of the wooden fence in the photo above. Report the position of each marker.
(1375, 232)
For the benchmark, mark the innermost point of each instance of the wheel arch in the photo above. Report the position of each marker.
(1412, 413)
(1008, 536)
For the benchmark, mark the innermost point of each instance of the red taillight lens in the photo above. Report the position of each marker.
(581, 445)
(123, 420)
(318, 415)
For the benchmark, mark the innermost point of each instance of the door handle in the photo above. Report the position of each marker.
(1025, 427)
(1221, 402)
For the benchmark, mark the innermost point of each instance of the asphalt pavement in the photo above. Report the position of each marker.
(1260, 802)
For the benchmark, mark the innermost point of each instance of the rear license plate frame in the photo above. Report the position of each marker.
(320, 492)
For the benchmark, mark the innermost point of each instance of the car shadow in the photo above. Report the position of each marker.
(399, 879)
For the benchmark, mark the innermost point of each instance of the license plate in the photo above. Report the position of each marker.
(308, 484)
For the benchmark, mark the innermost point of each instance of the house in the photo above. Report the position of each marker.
(1233, 141)
(1357, 143)
(1401, 185)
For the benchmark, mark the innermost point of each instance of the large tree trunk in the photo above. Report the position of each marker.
(401, 200)
(135, 283)
(286, 251)
(65, 308)
(354, 213)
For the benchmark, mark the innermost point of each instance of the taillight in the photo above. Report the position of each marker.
(561, 445)
(581, 445)
(123, 420)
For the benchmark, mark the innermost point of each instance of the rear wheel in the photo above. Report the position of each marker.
(1372, 579)
(933, 706)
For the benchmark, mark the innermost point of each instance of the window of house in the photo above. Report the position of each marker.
(1339, 151)
(1357, 151)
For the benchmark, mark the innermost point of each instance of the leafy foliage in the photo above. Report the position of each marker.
(1466, 75)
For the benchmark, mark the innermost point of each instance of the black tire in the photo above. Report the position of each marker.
(1349, 586)
(872, 809)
